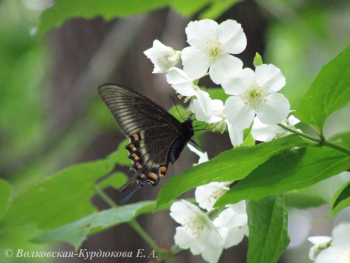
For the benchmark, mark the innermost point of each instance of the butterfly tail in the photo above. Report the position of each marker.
(126, 198)
(127, 185)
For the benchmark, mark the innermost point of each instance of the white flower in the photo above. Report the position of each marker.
(263, 132)
(163, 57)
(339, 249)
(207, 195)
(255, 93)
(203, 157)
(212, 111)
(232, 224)
(197, 232)
(211, 45)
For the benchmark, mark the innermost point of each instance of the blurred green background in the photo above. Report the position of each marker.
(50, 113)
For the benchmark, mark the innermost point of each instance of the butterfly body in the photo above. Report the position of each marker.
(156, 137)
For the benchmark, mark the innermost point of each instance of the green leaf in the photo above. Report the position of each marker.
(188, 8)
(63, 10)
(342, 138)
(302, 200)
(230, 165)
(76, 232)
(329, 92)
(217, 94)
(249, 140)
(122, 154)
(115, 180)
(208, 9)
(288, 171)
(5, 196)
(341, 199)
(217, 8)
(61, 198)
(268, 229)
(257, 60)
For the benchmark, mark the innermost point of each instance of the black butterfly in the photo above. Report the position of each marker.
(156, 137)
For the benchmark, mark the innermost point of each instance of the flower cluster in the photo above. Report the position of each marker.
(253, 94)
(199, 232)
(332, 250)
(253, 102)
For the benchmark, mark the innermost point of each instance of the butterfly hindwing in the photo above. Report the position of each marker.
(156, 137)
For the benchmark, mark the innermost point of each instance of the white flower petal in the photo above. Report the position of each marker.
(231, 236)
(274, 110)
(239, 83)
(204, 101)
(238, 114)
(217, 105)
(236, 135)
(195, 62)
(328, 255)
(341, 235)
(262, 132)
(279, 131)
(179, 211)
(199, 32)
(203, 157)
(212, 255)
(293, 120)
(197, 109)
(239, 208)
(319, 239)
(181, 82)
(183, 239)
(231, 34)
(224, 67)
(207, 195)
(233, 216)
(269, 78)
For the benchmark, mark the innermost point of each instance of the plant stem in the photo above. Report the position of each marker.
(136, 226)
(320, 141)
(133, 223)
(105, 197)
(336, 146)
(307, 136)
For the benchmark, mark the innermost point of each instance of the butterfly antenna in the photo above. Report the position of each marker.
(176, 107)
(198, 145)
(126, 198)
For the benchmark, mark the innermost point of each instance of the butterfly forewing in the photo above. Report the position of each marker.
(134, 112)
(156, 137)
